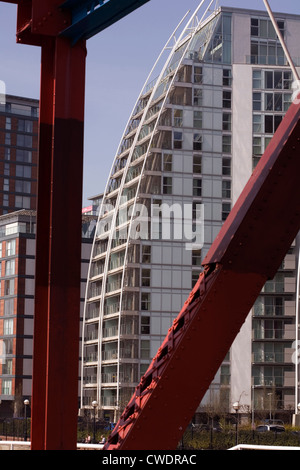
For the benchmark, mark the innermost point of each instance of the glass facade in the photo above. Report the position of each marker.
(180, 150)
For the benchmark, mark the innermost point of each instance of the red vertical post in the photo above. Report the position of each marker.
(57, 304)
(42, 245)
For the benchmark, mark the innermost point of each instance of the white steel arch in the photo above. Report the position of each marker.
(186, 35)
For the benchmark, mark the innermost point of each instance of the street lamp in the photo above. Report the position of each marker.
(236, 407)
(270, 395)
(26, 403)
(94, 405)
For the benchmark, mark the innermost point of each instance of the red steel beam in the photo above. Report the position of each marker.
(57, 301)
(58, 241)
(248, 251)
(42, 267)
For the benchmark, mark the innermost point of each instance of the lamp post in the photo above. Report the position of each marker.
(26, 403)
(270, 395)
(94, 405)
(236, 407)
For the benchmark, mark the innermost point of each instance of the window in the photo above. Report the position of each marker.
(226, 122)
(9, 287)
(0, 249)
(177, 140)
(146, 254)
(6, 169)
(7, 153)
(10, 247)
(6, 387)
(9, 306)
(198, 77)
(6, 184)
(226, 143)
(178, 117)
(227, 77)
(8, 123)
(227, 99)
(197, 143)
(226, 166)
(273, 102)
(269, 82)
(269, 305)
(10, 267)
(254, 27)
(287, 80)
(167, 185)
(225, 375)
(25, 125)
(145, 349)
(145, 301)
(272, 123)
(226, 189)
(23, 186)
(145, 325)
(146, 277)
(198, 97)
(197, 164)
(167, 161)
(23, 156)
(257, 146)
(8, 327)
(24, 140)
(23, 171)
(257, 101)
(198, 119)
(196, 257)
(22, 202)
(287, 99)
(196, 210)
(257, 79)
(197, 187)
(264, 28)
(267, 53)
(5, 200)
(7, 138)
(257, 124)
(8, 345)
(7, 367)
(226, 208)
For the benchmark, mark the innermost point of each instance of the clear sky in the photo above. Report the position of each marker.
(118, 62)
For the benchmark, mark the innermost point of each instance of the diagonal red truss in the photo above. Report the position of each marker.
(247, 252)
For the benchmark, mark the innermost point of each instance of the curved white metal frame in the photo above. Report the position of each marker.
(155, 127)
(183, 37)
(106, 193)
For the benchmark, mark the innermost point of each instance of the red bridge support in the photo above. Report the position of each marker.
(56, 26)
(58, 260)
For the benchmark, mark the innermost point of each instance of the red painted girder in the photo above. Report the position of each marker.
(248, 251)
(57, 300)
(179, 376)
(38, 19)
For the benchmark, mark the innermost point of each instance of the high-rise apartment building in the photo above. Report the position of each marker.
(17, 286)
(18, 153)
(192, 141)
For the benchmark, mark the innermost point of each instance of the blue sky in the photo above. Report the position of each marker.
(118, 62)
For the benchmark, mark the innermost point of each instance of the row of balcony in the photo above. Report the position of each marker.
(111, 378)
(111, 355)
